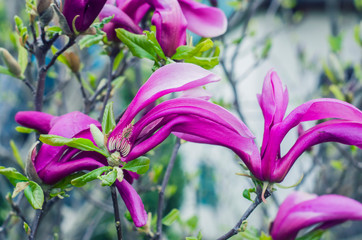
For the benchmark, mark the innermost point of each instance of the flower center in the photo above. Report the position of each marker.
(121, 142)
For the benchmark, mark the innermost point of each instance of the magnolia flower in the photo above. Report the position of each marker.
(81, 13)
(344, 127)
(301, 210)
(190, 117)
(171, 18)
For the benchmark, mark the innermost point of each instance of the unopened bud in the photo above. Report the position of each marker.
(62, 20)
(11, 63)
(114, 160)
(46, 13)
(97, 136)
(30, 168)
(43, 6)
(119, 173)
(73, 60)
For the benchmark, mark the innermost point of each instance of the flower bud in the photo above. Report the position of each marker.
(97, 136)
(114, 160)
(30, 170)
(73, 60)
(42, 6)
(11, 63)
(119, 173)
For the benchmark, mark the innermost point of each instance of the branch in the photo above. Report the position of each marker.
(117, 219)
(161, 196)
(251, 208)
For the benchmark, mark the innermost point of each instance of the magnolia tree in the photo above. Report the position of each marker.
(116, 144)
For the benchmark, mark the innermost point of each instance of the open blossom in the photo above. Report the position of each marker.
(301, 210)
(190, 117)
(344, 127)
(82, 13)
(171, 18)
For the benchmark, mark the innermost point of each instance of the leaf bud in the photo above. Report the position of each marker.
(11, 63)
(30, 170)
(97, 136)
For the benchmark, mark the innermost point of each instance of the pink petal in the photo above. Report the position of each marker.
(170, 78)
(203, 20)
(346, 132)
(133, 203)
(36, 120)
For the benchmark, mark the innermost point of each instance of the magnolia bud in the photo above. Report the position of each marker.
(73, 60)
(30, 168)
(46, 16)
(11, 63)
(43, 6)
(62, 20)
(119, 173)
(97, 136)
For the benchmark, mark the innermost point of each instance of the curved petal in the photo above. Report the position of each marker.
(135, 9)
(203, 20)
(170, 24)
(133, 203)
(273, 102)
(202, 130)
(310, 211)
(313, 110)
(87, 10)
(74, 124)
(56, 171)
(346, 132)
(120, 20)
(36, 120)
(170, 78)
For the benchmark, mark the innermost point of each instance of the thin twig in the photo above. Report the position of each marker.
(161, 196)
(112, 56)
(57, 54)
(117, 219)
(84, 94)
(236, 229)
(35, 224)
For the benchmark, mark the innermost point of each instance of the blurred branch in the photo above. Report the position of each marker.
(117, 219)
(252, 207)
(161, 196)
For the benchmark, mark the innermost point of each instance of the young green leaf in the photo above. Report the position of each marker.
(138, 44)
(16, 154)
(139, 165)
(90, 40)
(90, 176)
(246, 194)
(79, 143)
(109, 178)
(35, 195)
(171, 217)
(27, 228)
(185, 52)
(12, 174)
(25, 129)
(108, 122)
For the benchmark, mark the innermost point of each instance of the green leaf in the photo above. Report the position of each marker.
(61, 58)
(266, 48)
(67, 181)
(90, 40)
(5, 70)
(20, 186)
(108, 122)
(358, 34)
(25, 129)
(35, 195)
(139, 165)
(337, 92)
(22, 57)
(27, 228)
(138, 44)
(335, 42)
(314, 235)
(246, 194)
(205, 62)
(90, 176)
(192, 222)
(54, 29)
(171, 217)
(338, 165)
(151, 37)
(118, 60)
(185, 52)
(16, 154)
(79, 143)
(109, 178)
(12, 174)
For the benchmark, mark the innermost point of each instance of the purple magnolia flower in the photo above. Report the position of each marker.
(190, 117)
(301, 210)
(82, 12)
(171, 18)
(344, 127)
